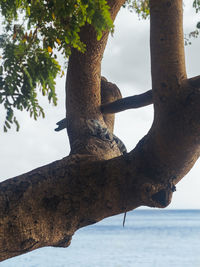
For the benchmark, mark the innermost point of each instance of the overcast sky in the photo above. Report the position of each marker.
(127, 63)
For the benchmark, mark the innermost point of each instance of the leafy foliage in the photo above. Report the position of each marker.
(34, 31)
(25, 67)
(196, 5)
(195, 33)
(141, 7)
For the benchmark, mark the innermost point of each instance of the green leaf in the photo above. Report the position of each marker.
(5, 129)
(30, 28)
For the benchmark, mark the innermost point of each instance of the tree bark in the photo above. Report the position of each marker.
(83, 90)
(46, 206)
(175, 98)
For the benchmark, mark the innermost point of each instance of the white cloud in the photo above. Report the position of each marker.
(127, 59)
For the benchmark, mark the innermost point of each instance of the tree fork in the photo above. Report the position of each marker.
(46, 206)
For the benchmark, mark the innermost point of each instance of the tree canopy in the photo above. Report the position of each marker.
(33, 33)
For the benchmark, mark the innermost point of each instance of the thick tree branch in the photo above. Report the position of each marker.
(83, 92)
(195, 81)
(136, 101)
(167, 50)
(46, 206)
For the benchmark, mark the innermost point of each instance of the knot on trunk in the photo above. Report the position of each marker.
(159, 195)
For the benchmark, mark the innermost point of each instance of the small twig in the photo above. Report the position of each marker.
(124, 219)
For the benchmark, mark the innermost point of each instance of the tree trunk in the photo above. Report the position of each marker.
(46, 206)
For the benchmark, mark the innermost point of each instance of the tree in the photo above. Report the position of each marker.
(46, 206)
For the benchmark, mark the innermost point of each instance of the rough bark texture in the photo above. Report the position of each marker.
(46, 206)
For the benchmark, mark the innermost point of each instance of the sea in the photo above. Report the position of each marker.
(150, 238)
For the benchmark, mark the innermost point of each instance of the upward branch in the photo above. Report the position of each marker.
(167, 48)
(176, 102)
(83, 94)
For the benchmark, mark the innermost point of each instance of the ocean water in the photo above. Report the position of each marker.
(150, 238)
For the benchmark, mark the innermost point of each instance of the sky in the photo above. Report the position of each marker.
(126, 62)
